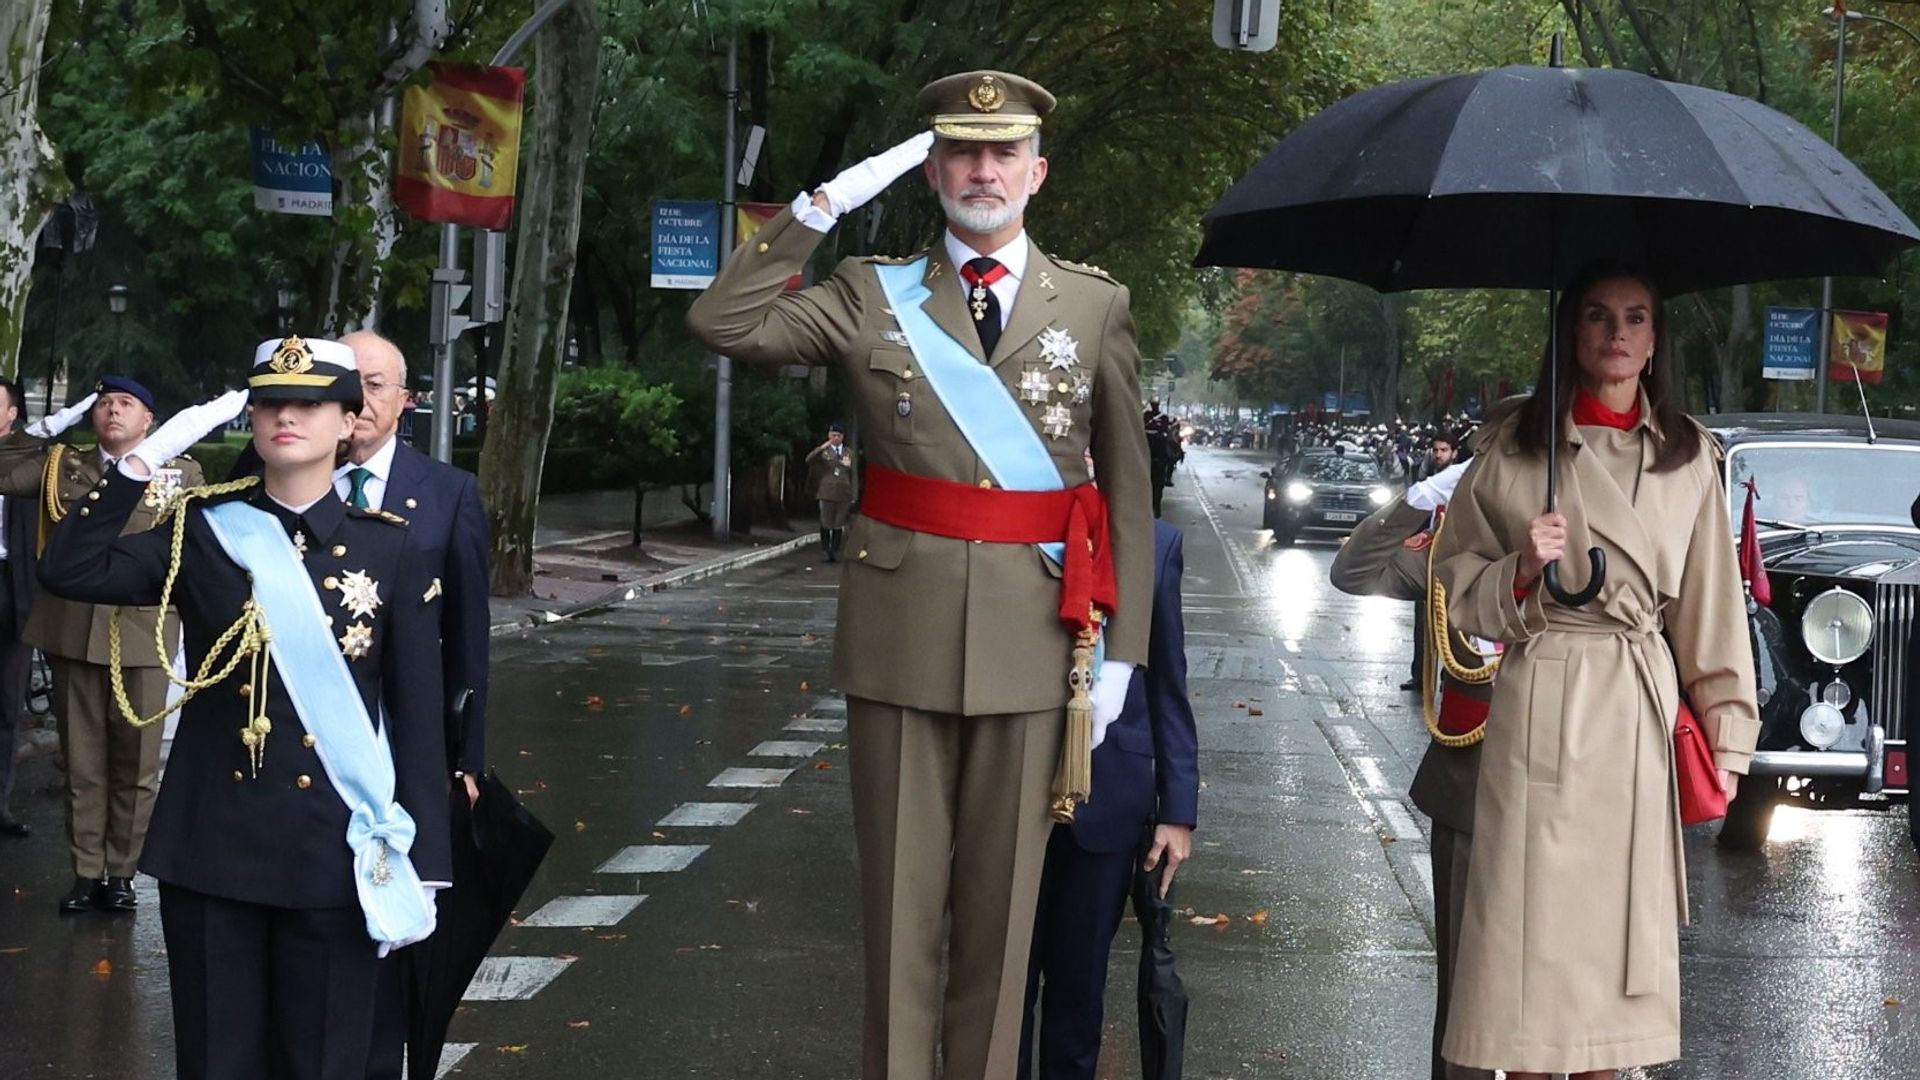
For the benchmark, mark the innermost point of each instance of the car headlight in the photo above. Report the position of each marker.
(1821, 725)
(1298, 492)
(1837, 627)
(1380, 496)
(1272, 494)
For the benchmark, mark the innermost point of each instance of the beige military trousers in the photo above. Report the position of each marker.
(112, 767)
(950, 817)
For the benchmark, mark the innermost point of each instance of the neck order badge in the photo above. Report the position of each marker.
(459, 146)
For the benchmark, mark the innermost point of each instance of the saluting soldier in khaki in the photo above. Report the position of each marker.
(836, 484)
(112, 766)
(983, 371)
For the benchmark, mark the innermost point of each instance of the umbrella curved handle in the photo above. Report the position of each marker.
(1597, 566)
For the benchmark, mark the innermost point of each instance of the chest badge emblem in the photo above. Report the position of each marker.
(1033, 386)
(359, 593)
(1058, 349)
(357, 641)
(1057, 421)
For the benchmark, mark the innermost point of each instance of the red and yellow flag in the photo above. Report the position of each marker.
(1859, 347)
(459, 146)
(748, 219)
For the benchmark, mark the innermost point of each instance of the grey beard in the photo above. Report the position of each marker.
(982, 219)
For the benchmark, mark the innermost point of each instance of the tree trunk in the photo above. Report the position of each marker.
(363, 226)
(1732, 358)
(565, 80)
(30, 178)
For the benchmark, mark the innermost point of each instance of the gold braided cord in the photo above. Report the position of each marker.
(250, 630)
(1440, 637)
(50, 483)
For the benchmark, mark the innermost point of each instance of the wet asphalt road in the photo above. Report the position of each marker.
(688, 753)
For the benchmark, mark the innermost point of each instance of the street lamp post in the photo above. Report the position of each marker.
(1841, 17)
(284, 299)
(117, 303)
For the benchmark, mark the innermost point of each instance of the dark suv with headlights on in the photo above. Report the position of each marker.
(1833, 652)
(1325, 490)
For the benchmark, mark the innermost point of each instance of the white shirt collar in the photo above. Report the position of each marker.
(380, 464)
(301, 509)
(1013, 256)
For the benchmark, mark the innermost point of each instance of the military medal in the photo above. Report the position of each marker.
(980, 282)
(1058, 349)
(903, 405)
(357, 641)
(1033, 386)
(1057, 421)
(1082, 388)
(164, 486)
(359, 593)
(300, 543)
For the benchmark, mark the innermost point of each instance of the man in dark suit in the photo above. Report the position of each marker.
(447, 531)
(1145, 772)
(18, 521)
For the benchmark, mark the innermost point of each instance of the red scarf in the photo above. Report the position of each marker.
(1588, 411)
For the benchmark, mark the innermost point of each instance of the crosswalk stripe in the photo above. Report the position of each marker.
(652, 859)
(584, 911)
(706, 814)
(514, 978)
(750, 778)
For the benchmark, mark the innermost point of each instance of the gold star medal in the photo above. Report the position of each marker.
(359, 593)
(1033, 386)
(1057, 421)
(163, 488)
(357, 641)
(1058, 349)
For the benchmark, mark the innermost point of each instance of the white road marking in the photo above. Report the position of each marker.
(1236, 562)
(514, 978)
(584, 911)
(750, 778)
(1346, 737)
(652, 859)
(706, 815)
(1424, 867)
(1331, 708)
(451, 1055)
(821, 724)
(1316, 684)
(1399, 822)
(830, 706)
(782, 748)
(1369, 771)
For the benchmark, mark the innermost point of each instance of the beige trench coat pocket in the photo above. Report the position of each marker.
(1546, 719)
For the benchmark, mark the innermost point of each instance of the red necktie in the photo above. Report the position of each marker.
(980, 274)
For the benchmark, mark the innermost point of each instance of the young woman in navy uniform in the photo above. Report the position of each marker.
(270, 916)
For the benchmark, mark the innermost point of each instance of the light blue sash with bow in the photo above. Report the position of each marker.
(354, 754)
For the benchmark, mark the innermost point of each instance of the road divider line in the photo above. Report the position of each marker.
(1347, 738)
(1316, 684)
(1331, 708)
(1399, 822)
(1369, 771)
(652, 859)
(706, 815)
(817, 724)
(785, 748)
(750, 778)
(576, 911)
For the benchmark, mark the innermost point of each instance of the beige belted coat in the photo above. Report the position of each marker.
(1569, 952)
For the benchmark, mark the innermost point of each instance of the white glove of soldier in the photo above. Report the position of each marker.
(50, 427)
(858, 185)
(186, 427)
(1109, 696)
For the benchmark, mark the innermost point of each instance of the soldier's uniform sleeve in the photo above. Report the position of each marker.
(1375, 561)
(21, 469)
(88, 560)
(1121, 468)
(1473, 561)
(748, 314)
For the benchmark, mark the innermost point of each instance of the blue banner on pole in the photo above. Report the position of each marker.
(1792, 344)
(1358, 403)
(290, 179)
(686, 244)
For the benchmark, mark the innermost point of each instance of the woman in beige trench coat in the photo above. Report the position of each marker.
(1569, 957)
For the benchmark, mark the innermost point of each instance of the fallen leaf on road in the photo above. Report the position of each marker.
(1239, 704)
(15, 951)
(579, 826)
(597, 650)
(611, 937)
(797, 810)
(595, 703)
(1255, 710)
(513, 1048)
(526, 753)
(1892, 1003)
(686, 710)
(1388, 840)
(823, 765)
(803, 687)
(1251, 873)
(1258, 918)
(103, 968)
(568, 957)
(579, 1023)
(658, 835)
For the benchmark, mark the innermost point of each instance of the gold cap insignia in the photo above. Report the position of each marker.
(988, 96)
(293, 357)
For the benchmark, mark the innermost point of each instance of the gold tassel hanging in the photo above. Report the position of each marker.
(1073, 780)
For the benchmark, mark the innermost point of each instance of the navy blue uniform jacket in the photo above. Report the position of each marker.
(217, 828)
(1148, 766)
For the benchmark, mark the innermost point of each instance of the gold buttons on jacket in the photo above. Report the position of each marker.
(237, 775)
(862, 555)
(307, 741)
(85, 510)
(985, 483)
(246, 689)
(339, 550)
(93, 496)
(303, 781)
(762, 247)
(330, 582)
(906, 373)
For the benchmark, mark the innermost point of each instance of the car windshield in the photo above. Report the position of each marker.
(1339, 469)
(1809, 484)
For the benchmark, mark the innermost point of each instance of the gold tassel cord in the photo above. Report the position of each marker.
(1073, 779)
(246, 638)
(1440, 638)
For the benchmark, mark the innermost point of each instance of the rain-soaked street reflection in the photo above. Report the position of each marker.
(689, 754)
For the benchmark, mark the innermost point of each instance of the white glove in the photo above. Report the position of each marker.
(50, 427)
(858, 185)
(186, 427)
(1109, 696)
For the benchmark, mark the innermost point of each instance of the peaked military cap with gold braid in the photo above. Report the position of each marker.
(984, 106)
(294, 368)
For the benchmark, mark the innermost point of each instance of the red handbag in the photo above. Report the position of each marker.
(1695, 773)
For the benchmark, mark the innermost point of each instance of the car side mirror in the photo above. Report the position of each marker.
(1266, 474)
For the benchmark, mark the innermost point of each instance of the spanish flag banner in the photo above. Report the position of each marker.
(459, 145)
(1859, 346)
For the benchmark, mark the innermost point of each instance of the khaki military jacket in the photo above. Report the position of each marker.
(68, 628)
(835, 479)
(931, 622)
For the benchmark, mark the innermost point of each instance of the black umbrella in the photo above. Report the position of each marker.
(1162, 996)
(497, 847)
(1516, 177)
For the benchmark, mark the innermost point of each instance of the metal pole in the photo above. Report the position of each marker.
(723, 366)
(1826, 283)
(53, 338)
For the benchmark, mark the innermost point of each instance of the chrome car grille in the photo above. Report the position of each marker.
(1895, 605)
(1341, 500)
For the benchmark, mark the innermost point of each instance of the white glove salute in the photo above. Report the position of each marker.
(858, 185)
(188, 426)
(50, 427)
(1109, 696)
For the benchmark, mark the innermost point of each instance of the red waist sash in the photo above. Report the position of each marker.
(995, 515)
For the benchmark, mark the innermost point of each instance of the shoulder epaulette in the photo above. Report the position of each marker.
(387, 516)
(891, 260)
(1084, 268)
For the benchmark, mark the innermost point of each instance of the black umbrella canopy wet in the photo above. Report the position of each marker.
(1515, 177)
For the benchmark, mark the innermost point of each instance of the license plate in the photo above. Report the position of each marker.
(1336, 515)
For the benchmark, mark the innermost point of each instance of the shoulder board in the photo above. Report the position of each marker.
(182, 457)
(891, 260)
(1083, 268)
(387, 516)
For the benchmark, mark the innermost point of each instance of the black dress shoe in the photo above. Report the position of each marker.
(12, 826)
(83, 897)
(118, 895)
(1410, 684)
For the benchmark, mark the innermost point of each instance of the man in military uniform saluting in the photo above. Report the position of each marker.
(836, 483)
(112, 768)
(983, 370)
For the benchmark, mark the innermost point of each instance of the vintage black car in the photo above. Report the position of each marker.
(1833, 651)
(1324, 489)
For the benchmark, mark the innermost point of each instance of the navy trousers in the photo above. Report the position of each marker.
(1082, 896)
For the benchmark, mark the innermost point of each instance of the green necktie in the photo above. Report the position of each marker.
(357, 497)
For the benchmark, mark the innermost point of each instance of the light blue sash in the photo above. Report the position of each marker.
(981, 405)
(354, 754)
